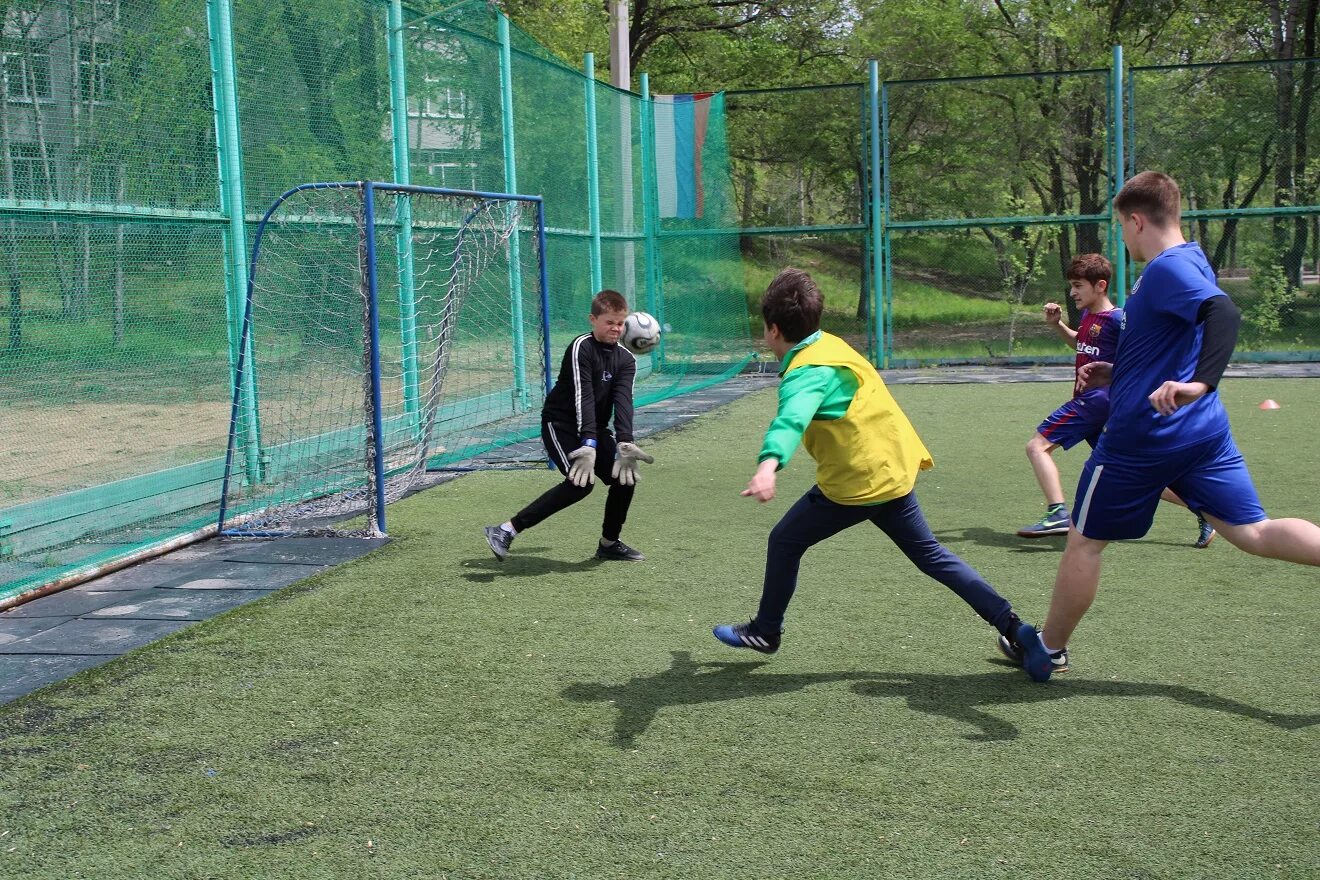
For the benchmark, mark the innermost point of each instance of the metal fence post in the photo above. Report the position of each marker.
(593, 174)
(229, 171)
(403, 209)
(521, 394)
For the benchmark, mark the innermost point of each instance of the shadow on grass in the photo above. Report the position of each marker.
(487, 568)
(1007, 540)
(956, 697)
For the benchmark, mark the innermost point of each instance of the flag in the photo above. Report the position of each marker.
(681, 123)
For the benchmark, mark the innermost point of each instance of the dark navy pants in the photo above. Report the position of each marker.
(559, 442)
(814, 518)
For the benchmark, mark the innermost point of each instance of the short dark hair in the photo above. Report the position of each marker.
(1090, 267)
(608, 301)
(793, 303)
(1153, 195)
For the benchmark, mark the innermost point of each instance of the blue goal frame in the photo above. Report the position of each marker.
(243, 377)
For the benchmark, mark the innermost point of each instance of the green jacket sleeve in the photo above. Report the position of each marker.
(801, 393)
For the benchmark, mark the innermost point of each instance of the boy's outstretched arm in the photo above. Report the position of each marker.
(800, 395)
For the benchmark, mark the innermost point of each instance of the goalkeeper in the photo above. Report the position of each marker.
(595, 380)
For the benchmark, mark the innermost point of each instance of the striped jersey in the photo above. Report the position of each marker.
(1097, 340)
(595, 382)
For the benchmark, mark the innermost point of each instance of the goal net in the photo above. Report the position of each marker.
(384, 325)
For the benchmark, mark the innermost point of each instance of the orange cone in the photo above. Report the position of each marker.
(1270, 404)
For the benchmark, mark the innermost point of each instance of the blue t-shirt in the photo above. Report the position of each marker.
(1097, 340)
(1161, 341)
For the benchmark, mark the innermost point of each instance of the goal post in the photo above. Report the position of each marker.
(384, 324)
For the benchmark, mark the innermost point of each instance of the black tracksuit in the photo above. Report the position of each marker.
(595, 382)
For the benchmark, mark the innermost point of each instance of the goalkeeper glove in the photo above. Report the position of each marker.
(625, 465)
(582, 466)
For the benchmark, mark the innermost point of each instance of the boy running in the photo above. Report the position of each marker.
(867, 458)
(1167, 426)
(1082, 417)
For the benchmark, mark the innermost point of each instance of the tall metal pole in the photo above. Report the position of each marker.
(1118, 252)
(621, 78)
(878, 233)
(593, 174)
(520, 389)
(403, 212)
(650, 217)
(229, 168)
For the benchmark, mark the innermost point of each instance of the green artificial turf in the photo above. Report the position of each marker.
(426, 712)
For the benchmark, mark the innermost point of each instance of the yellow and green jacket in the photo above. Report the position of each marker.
(834, 402)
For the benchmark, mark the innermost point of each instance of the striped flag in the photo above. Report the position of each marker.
(681, 123)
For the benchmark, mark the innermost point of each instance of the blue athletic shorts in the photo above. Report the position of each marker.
(1077, 420)
(1118, 492)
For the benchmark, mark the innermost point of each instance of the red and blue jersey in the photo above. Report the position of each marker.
(1097, 340)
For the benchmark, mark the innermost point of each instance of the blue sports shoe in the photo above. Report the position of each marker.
(1055, 522)
(1013, 651)
(747, 635)
(1205, 533)
(1035, 659)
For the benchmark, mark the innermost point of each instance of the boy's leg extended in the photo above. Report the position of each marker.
(1221, 488)
(808, 522)
(558, 443)
(905, 524)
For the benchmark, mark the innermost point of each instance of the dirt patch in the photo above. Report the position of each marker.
(47, 450)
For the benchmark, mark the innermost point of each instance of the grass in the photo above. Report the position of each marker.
(428, 713)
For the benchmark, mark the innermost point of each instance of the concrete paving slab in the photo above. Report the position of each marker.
(87, 637)
(206, 574)
(67, 603)
(244, 576)
(14, 628)
(175, 604)
(306, 551)
(21, 675)
(142, 576)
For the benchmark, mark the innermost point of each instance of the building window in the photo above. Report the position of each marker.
(443, 170)
(30, 179)
(27, 71)
(93, 72)
(441, 102)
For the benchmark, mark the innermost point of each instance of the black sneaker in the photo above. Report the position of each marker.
(747, 635)
(1013, 651)
(499, 541)
(1205, 533)
(618, 550)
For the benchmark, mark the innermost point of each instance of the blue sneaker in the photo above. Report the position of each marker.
(747, 635)
(1013, 651)
(1054, 522)
(1205, 534)
(1035, 659)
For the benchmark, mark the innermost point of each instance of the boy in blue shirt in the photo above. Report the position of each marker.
(867, 459)
(1082, 417)
(1167, 426)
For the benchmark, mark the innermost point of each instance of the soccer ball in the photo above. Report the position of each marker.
(641, 333)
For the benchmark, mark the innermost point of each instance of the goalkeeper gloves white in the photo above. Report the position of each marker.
(582, 464)
(625, 465)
